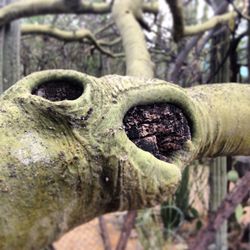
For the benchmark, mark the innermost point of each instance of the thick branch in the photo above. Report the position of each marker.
(128, 224)
(138, 60)
(104, 233)
(27, 8)
(181, 57)
(66, 157)
(212, 23)
(66, 36)
(174, 72)
(180, 30)
(178, 20)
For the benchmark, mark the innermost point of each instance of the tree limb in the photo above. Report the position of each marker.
(66, 162)
(67, 36)
(128, 224)
(104, 233)
(175, 70)
(207, 25)
(138, 60)
(27, 8)
(178, 21)
(180, 30)
(207, 234)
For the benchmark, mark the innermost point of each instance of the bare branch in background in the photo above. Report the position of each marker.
(27, 8)
(209, 24)
(128, 225)
(207, 234)
(180, 30)
(67, 36)
(238, 11)
(175, 70)
(104, 233)
(178, 21)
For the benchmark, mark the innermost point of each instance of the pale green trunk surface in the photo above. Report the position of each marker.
(65, 162)
(218, 170)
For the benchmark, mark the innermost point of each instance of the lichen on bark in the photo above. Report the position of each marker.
(65, 162)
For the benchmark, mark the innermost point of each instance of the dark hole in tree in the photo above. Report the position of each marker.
(161, 129)
(59, 90)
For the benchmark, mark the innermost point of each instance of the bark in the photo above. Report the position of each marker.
(66, 162)
(26, 8)
(180, 30)
(248, 44)
(176, 69)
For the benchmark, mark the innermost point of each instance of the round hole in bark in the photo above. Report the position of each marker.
(161, 129)
(59, 90)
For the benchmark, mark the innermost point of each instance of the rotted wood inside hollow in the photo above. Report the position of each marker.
(161, 129)
(59, 90)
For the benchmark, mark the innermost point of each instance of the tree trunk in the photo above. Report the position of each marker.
(218, 169)
(2, 3)
(11, 53)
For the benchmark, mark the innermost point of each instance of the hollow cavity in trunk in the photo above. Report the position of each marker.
(161, 129)
(59, 90)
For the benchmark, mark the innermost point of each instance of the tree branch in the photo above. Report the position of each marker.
(174, 72)
(27, 8)
(138, 59)
(178, 20)
(207, 25)
(129, 222)
(207, 234)
(77, 162)
(104, 233)
(67, 36)
(180, 30)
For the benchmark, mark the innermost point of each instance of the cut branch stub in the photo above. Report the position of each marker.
(161, 129)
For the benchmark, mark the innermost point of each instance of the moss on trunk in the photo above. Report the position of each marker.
(65, 162)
